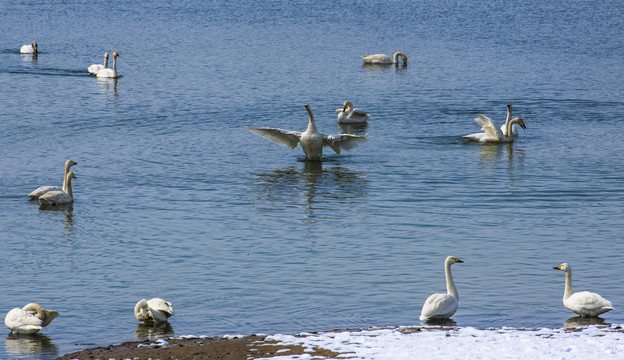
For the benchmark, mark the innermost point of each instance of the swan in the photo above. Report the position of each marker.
(109, 73)
(384, 59)
(491, 132)
(154, 310)
(311, 141)
(94, 68)
(583, 303)
(44, 189)
(60, 196)
(29, 49)
(442, 306)
(29, 319)
(503, 127)
(349, 115)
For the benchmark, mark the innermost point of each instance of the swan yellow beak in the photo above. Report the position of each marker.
(457, 260)
(557, 267)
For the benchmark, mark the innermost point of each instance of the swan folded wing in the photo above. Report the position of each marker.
(279, 136)
(589, 303)
(42, 190)
(438, 305)
(343, 141)
(488, 126)
(94, 68)
(22, 322)
(474, 137)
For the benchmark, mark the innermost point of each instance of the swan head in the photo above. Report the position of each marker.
(70, 163)
(34, 46)
(563, 267)
(115, 54)
(33, 308)
(404, 58)
(71, 175)
(518, 121)
(106, 56)
(347, 106)
(508, 107)
(452, 260)
(141, 310)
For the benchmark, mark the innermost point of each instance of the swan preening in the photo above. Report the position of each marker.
(311, 140)
(442, 306)
(384, 59)
(584, 303)
(349, 115)
(29, 49)
(44, 189)
(154, 310)
(29, 319)
(108, 73)
(94, 68)
(60, 196)
(491, 132)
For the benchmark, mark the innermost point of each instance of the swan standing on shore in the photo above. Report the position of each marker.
(154, 310)
(584, 303)
(109, 73)
(443, 306)
(44, 189)
(29, 49)
(60, 197)
(29, 319)
(491, 132)
(384, 59)
(311, 141)
(94, 68)
(349, 115)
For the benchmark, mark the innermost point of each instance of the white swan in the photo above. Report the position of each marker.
(94, 68)
(44, 189)
(503, 127)
(349, 115)
(584, 303)
(60, 197)
(491, 132)
(154, 310)
(311, 141)
(384, 59)
(29, 49)
(29, 319)
(443, 306)
(109, 73)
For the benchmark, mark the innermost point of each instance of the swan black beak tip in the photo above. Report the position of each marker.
(555, 267)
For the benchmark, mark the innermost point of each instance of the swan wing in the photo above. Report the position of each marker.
(22, 322)
(55, 197)
(488, 126)
(343, 141)
(586, 303)
(105, 73)
(279, 136)
(474, 137)
(42, 190)
(438, 305)
(377, 59)
(161, 305)
(94, 68)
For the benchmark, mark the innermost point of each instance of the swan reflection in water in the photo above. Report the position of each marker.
(353, 129)
(314, 186)
(153, 331)
(491, 155)
(578, 322)
(31, 344)
(67, 210)
(441, 322)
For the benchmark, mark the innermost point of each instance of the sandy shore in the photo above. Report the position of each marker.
(194, 348)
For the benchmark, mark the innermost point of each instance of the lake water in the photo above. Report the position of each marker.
(174, 198)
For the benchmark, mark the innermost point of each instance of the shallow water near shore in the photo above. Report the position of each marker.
(175, 199)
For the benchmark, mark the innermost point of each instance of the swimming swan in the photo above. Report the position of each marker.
(44, 189)
(29, 319)
(311, 141)
(491, 132)
(503, 127)
(384, 59)
(29, 49)
(60, 197)
(94, 68)
(442, 306)
(349, 115)
(584, 303)
(109, 73)
(154, 310)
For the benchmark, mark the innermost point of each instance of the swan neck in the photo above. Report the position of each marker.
(106, 62)
(395, 58)
(65, 176)
(568, 284)
(68, 187)
(450, 284)
(311, 123)
(115, 66)
(509, 129)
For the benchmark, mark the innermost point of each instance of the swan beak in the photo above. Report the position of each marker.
(523, 126)
(457, 260)
(557, 267)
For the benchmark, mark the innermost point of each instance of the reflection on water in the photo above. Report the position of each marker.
(153, 331)
(32, 344)
(67, 210)
(577, 322)
(384, 67)
(492, 155)
(355, 129)
(316, 186)
(440, 322)
(30, 58)
(108, 84)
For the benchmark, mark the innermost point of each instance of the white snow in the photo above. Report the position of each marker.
(462, 343)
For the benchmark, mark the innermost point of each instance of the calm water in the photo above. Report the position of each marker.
(175, 199)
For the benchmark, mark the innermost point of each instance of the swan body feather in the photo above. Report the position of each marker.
(349, 115)
(94, 68)
(154, 310)
(35, 194)
(443, 305)
(60, 197)
(584, 303)
(311, 140)
(30, 319)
